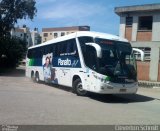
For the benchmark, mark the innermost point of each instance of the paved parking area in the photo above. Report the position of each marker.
(25, 102)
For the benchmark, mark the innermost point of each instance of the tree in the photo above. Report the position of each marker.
(12, 10)
(12, 49)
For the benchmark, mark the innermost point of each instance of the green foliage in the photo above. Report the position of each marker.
(12, 10)
(12, 51)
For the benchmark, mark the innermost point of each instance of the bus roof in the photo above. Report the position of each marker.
(79, 34)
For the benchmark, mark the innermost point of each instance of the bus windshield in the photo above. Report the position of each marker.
(117, 59)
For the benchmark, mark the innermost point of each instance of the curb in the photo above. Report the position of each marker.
(148, 84)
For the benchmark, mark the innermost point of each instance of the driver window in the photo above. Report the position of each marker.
(90, 57)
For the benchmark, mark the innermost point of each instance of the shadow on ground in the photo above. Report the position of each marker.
(108, 98)
(125, 98)
(18, 72)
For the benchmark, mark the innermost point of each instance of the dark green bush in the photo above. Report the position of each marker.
(12, 51)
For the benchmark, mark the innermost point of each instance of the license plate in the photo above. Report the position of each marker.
(123, 90)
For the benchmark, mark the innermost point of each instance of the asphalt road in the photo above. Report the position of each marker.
(25, 102)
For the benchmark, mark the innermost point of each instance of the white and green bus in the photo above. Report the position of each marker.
(87, 62)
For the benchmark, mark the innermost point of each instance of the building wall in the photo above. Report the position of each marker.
(49, 33)
(148, 70)
(22, 33)
(158, 72)
(156, 28)
(128, 33)
(122, 26)
(138, 35)
(36, 38)
(143, 70)
(18, 34)
(144, 36)
(32, 37)
(134, 28)
(154, 60)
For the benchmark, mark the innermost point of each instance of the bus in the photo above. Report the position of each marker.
(87, 62)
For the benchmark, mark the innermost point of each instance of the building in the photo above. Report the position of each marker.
(141, 26)
(24, 33)
(36, 38)
(51, 33)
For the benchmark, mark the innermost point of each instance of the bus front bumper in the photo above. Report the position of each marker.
(114, 88)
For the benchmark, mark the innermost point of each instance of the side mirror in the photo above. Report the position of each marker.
(97, 48)
(140, 52)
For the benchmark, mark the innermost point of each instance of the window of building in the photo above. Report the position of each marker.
(147, 53)
(45, 34)
(55, 35)
(62, 34)
(145, 23)
(50, 33)
(129, 21)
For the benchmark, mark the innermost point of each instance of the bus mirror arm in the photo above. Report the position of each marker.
(97, 48)
(139, 51)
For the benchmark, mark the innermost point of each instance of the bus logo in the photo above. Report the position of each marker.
(64, 62)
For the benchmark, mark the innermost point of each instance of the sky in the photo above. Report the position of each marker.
(98, 14)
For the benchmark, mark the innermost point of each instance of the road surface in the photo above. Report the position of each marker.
(24, 102)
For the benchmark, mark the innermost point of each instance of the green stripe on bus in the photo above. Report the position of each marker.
(31, 62)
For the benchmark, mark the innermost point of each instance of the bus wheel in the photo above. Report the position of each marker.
(37, 77)
(32, 76)
(78, 88)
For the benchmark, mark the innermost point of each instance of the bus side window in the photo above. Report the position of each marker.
(72, 47)
(68, 49)
(37, 52)
(29, 54)
(53, 47)
(75, 49)
(33, 53)
(57, 49)
(83, 40)
(63, 47)
(86, 39)
(50, 49)
(90, 57)
(47, 50)
(40, 52)
(44, 50)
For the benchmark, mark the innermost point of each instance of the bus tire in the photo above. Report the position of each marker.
(78, 89)
(37, 80)
(32, 76)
